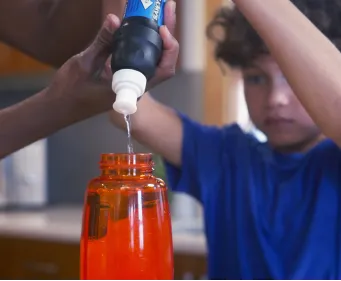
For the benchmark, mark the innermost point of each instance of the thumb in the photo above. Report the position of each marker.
(98, 52)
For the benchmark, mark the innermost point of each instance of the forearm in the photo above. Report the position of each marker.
(308, 59)
(36, 118)
(74, 24)
(156, 126)
(52, 31)
(69, 27)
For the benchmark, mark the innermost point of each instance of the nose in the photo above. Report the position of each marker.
(278, 97)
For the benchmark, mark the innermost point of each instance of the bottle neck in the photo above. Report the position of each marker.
(127, 165)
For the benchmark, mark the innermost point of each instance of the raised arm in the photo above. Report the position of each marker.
(52, 31)
(156, 126)
(308, 59)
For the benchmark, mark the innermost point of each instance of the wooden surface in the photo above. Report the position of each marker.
(14, 62)
(213, 77)
(33, 259)
(220, 83)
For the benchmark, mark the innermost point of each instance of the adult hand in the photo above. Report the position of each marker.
(79, 90)
(86, 78)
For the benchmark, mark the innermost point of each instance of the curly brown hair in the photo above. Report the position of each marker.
(240, 44)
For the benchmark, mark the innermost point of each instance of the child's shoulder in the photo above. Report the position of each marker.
(236, 137)
(326, 150)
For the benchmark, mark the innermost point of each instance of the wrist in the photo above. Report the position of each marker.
(76, 107)
(58, 105)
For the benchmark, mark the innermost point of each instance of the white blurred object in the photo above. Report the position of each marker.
(192, 37)
(185, 207)
(26, 176)
(3, 195)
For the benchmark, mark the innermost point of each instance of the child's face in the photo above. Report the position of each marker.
(275, 109)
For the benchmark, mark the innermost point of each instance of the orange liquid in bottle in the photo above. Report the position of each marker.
(126, 223)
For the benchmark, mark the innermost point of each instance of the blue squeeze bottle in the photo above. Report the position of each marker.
(136, 52)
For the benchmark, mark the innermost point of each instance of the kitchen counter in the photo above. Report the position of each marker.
(63, 224)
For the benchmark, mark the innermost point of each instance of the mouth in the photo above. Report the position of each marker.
(277, 121)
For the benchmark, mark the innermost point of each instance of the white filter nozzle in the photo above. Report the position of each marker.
(128, 85)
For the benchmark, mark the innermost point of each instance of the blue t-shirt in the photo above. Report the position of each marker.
(267, 215)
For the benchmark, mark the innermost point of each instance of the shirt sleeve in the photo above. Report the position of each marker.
(202, 149)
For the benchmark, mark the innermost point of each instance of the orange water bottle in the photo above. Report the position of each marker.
(126, 231)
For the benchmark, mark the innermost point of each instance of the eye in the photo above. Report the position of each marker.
(255, 79)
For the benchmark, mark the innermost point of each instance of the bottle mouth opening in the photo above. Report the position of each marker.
(126, 161)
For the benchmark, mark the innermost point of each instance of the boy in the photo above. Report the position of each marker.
(273, 210)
